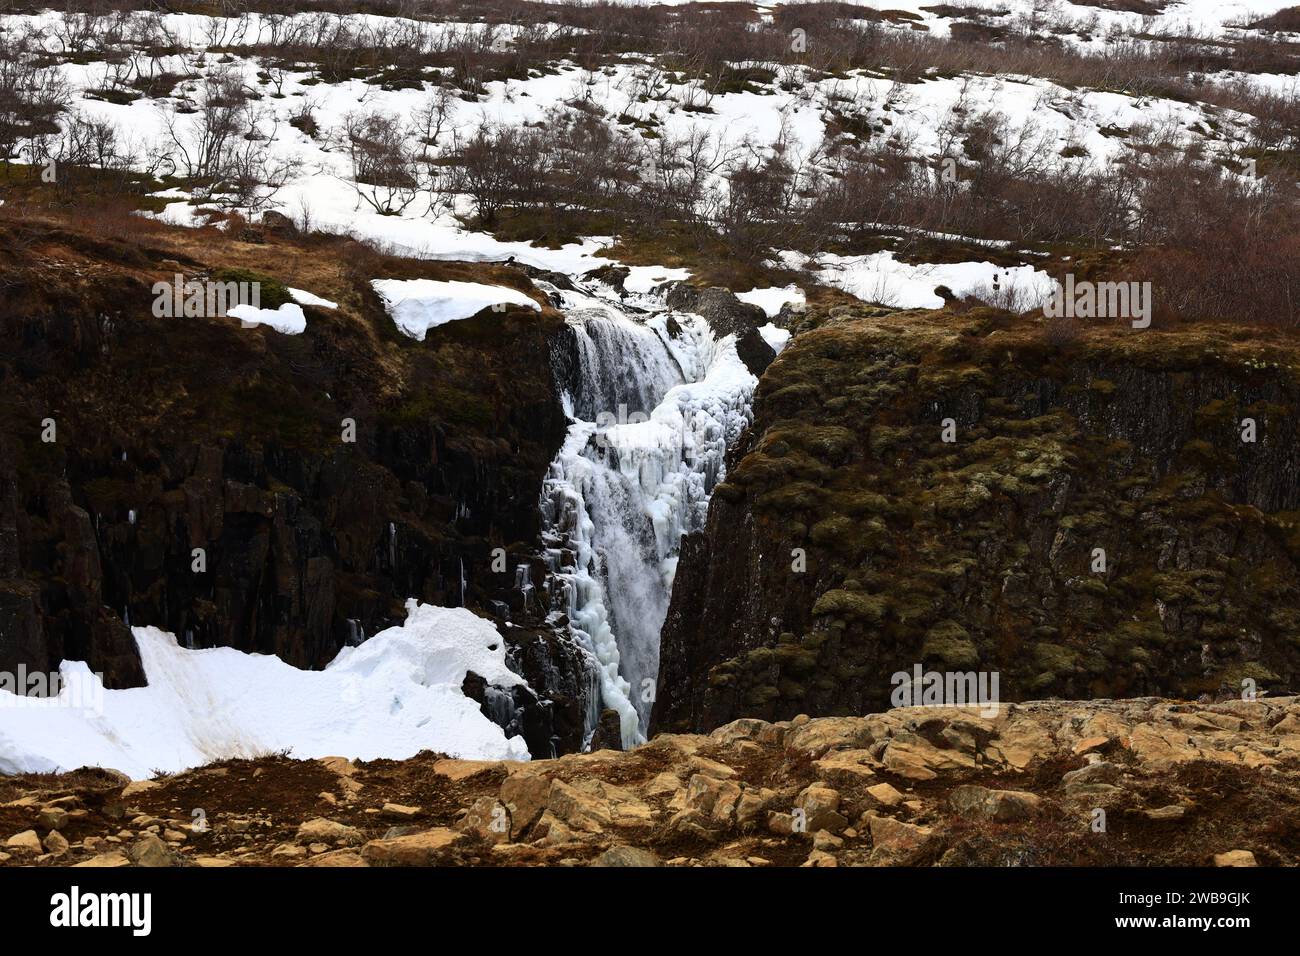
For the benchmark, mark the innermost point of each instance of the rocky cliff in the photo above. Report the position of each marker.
(1101, 512)
(1136, 782)
(129, 441)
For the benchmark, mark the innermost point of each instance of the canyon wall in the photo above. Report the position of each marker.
(850, 541)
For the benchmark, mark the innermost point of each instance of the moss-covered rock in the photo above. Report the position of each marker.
(1097, 527)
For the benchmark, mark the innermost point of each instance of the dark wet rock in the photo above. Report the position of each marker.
(609, 732)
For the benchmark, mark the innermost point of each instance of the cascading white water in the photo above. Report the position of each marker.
(658, 402)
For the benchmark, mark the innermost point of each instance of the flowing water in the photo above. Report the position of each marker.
(654, 403)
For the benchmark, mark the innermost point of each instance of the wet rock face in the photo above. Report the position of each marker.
(200, 479)
(1096, 527)
(726, 315)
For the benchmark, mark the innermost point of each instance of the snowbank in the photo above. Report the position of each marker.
(288, 319)
(396, 694)
(881, 278)
(775, 336)
(773, 299)
(418, 305)
(302, 297)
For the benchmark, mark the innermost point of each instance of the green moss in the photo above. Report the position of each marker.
(440, 403)
(271, 292)
(854, 605)
(950, 643)
(1055, 658)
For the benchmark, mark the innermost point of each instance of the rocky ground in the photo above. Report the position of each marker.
(1127, 782)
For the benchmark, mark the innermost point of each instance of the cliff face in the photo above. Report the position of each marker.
(851, 541)
(172, 435)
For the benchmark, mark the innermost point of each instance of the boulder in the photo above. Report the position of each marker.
(427, 848)
(52, 818)
(885, 794)
(820, 806)
(691, 824)
(820, 858)
(895, 835)
(592, 805)
(1000, 806)
(488, 819)
(1171, 812)
(150, 850)
(464, 769)
(626, 856)
(845, 767)
(335, 858)
(914, 758)
(751, 805)
(712, 797)
(321, 830)
(524, 795)
(25, 842)
(746, 728)
(710, 768)
(1100, 772)
(1235, 858)
(56, 843)
(815, 737)
(664, 784)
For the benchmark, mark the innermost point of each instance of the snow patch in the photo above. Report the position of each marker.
(288, 318)
(644, 279)
(772, 300)
(882, 279)
(774, 336)
(306, 298)
(394, 695)
(418, 305)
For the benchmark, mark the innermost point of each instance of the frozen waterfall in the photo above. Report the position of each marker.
(657, 402)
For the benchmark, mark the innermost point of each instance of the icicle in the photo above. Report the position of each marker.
(524, 582)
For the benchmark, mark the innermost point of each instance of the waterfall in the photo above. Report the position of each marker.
(356, 635)
(657, 402)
